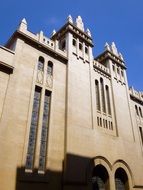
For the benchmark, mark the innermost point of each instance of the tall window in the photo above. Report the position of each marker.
(50, 68)
(102, 95)
(121, 180)
(41, 64)
(136, 108)
(97, 95)
(74, 42)
(44, 133)
(141, 134)
(100, 178)
(140, 112)
(108, 100)
(33, 129)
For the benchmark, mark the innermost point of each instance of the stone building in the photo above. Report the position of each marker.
(67, 120)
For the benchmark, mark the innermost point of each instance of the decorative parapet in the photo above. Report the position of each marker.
(40, 38)
(76, 28)
(136, 95)
(46, 41)
(101, 67)
(108, 54)
(79, 23)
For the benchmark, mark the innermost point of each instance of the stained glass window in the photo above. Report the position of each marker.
(41, 64)
(44, 133)
(33, 129)
(50, 68)
(119, 184)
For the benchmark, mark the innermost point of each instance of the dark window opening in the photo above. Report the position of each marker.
(121, 180)
(100, 178)
(74, 42)
(41, 63)
(80, 46)
(50, 68)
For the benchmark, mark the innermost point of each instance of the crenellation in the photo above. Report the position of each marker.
(136, 94)
(23, 25)
(79, 23)
(101, 67)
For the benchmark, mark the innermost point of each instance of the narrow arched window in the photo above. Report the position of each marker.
(100, 122)
(50, 68)
(136, 108)
(100, 178)
(80, 46)
(140, 112)
(102, 95)
(121, 180)
(74, 42)
(108, 100)
(97, 95)
(86, 49)
(41, 63)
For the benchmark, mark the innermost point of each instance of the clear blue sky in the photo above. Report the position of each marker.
(109, 20)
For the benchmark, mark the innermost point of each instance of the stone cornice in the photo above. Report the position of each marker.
(4, 67)
(109, 55)
(136, 99)
(69, 27)
(33, 42)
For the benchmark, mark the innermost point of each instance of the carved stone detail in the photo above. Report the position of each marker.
(40, 77)
(49, 81)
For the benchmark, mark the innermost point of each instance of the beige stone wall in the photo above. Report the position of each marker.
(16, 99)
(76, 144)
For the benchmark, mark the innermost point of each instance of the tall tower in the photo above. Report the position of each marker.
(112, 59)
(73, 38)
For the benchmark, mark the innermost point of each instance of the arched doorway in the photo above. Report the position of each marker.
(121, 179)
(100, 178)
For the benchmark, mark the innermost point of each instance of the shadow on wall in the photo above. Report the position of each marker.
(77, 172)
(35, 181)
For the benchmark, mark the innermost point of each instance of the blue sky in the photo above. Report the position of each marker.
(108, 20)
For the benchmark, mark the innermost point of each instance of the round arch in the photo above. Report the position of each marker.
(100, 178)
(100, 173)
(122, 173)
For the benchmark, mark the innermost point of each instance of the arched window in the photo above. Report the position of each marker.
(74, 42)
(98, 121)
(80, 46)
(41, 63)
(108, 100)
(50, 68)
(136, 108)
(100, 178)
(103, 96)
(121, 179)
(97, 95)
(140, 112)
(86, 49)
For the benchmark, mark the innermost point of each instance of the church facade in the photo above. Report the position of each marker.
(68, 120)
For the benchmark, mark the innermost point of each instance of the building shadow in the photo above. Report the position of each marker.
(76, 173)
